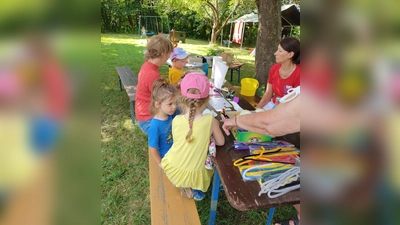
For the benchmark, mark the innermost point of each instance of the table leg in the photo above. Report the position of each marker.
(270, 215)
(238, 75)
(214, 198)
(231, 74)
(120, 83)
(132, 106)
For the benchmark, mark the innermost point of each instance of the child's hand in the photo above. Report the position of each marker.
(160, 165)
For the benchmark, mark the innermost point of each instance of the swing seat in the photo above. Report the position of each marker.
(149, 34)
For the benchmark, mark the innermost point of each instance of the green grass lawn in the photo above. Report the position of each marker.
(125, 184)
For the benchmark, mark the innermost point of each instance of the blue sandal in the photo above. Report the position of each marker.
(198, 195)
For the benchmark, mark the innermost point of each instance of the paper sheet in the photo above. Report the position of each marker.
(219, 103)
(207, 111)
(236, 106)
(220, 73)
(215, 60)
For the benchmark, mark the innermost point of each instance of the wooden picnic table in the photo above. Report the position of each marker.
(244, 195)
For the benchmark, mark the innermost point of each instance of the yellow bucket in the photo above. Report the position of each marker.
(249, 86)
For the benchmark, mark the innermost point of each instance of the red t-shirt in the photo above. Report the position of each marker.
(281, 86)
(147, 75)
(56, 88)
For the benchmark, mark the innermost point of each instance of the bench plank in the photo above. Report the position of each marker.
(129, 80)
(168, 207)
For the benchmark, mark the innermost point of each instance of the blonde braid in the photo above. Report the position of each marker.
(192, 111)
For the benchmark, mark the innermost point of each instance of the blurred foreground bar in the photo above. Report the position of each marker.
(49, 112)
(351, 121)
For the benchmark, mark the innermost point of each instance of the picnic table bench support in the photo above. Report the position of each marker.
(270, 215)
(236, 67)
(214, 201)
(132, 106)
(238, 72)
(120, 83)
(214, 198)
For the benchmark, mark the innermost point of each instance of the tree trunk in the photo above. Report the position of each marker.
(269, 33)
(105, 18)
(131, 21)
(214, 36)
(250, 33)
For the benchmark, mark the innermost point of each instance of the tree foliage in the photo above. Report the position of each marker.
(204, 19)
(121, 16)
(288, 2)
(213, 14)
(198, 18)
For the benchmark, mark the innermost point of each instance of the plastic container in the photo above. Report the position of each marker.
(253, 148)
(247, 136)
(249, 86)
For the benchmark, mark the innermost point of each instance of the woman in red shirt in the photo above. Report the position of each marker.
(284, 75)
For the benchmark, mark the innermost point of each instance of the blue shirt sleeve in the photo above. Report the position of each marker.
(153, 136)
(44, 133)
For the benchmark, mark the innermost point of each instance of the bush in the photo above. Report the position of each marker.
(296, 32)
(214, 51)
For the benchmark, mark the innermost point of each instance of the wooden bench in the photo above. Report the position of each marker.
(178, 36)
(130, 81)
(236, 66)
(168, 207)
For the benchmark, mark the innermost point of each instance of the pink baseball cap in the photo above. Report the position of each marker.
(10, 85)
(178, 53)
(195, 80)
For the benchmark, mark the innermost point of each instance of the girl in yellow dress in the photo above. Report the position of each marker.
(184, 162)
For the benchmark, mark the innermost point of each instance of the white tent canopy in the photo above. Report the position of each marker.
(248, 18)
(290, 17)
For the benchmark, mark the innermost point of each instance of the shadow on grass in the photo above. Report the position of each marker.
(227, 215)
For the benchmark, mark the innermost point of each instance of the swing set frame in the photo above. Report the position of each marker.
(161, 18)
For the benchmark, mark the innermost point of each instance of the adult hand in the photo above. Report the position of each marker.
(228, 125)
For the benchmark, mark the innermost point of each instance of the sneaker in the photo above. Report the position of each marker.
(186, 192)
(198, 195)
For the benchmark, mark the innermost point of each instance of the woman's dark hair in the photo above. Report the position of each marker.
(292, 44)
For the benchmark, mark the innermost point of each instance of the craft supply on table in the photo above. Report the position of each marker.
(223, 115)
(267, 145)
(272, 161)
(207, 111)
(255, 172)
(219, 103)
(276, 185)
